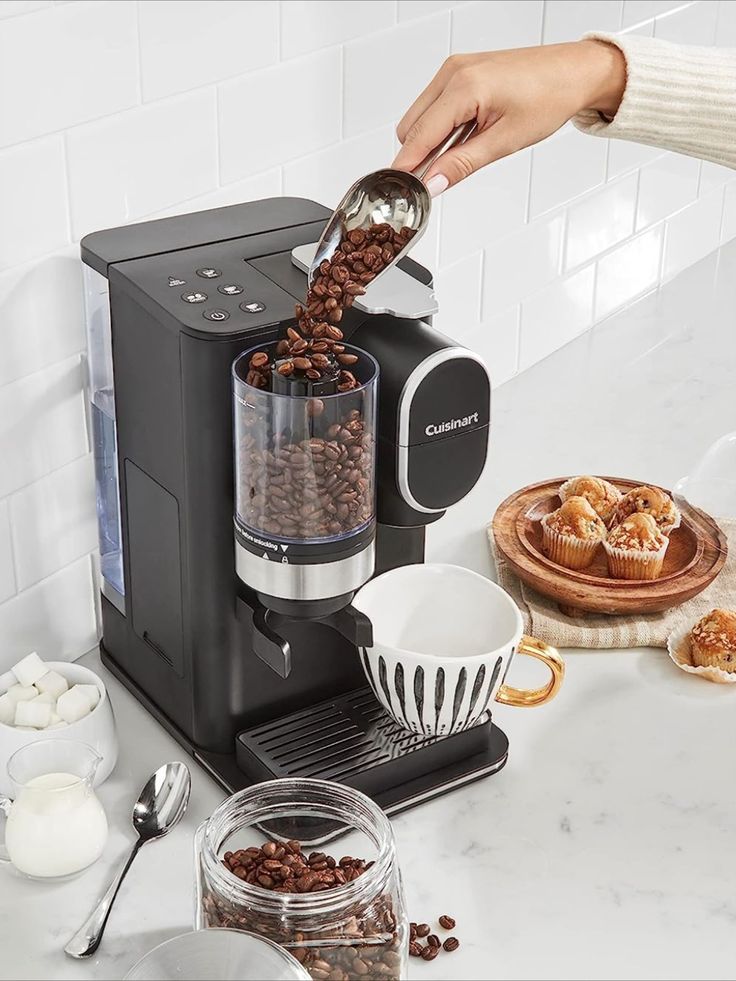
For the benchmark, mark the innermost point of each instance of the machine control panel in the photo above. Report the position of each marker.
(217, 289)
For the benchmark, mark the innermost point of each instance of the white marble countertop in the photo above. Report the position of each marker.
(605, 847)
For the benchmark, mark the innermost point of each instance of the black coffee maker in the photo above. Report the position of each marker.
(241, 640)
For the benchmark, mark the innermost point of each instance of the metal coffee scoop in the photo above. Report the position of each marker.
(394, 196)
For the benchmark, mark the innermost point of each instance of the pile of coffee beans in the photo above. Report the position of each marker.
(284, 868)
(365, 941)
(428, 952)
(319, 487)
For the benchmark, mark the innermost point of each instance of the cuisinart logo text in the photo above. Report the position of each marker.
(447, 427)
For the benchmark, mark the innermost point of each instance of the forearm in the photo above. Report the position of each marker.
(679, 97)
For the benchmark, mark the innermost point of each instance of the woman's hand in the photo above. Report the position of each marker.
(518, 98)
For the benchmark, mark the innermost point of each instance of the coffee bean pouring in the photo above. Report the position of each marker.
(313, 352)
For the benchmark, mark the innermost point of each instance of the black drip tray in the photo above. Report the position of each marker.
(350, 739)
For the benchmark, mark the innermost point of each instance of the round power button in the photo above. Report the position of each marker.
(217, 316)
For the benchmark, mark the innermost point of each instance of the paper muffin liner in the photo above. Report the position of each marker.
(626, 563)
(563, 493)
(566, 550)
(678, 648)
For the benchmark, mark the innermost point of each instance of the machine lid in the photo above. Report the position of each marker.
(396, 292)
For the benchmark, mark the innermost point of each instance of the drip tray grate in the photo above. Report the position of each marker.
(351, 740)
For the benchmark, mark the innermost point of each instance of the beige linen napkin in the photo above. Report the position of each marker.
(543, 620)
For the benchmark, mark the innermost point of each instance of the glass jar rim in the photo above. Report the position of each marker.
(349, 349)
(369, 818)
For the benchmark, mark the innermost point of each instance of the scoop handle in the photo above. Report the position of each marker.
(459, 135)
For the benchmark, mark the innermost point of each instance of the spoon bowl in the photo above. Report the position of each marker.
(396, 197)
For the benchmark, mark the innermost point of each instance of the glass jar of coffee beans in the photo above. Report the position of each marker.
(312, 866)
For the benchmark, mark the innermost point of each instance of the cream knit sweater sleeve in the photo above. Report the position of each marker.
(677, 96)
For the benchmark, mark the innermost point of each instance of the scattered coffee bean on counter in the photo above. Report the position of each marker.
(365, 945)
(434, 945)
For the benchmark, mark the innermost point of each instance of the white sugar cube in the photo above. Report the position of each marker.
(45, 698)
(30, 669)
(73, 705)
(57, 725)
(7, 710)
(7, 680)
(53, 683)
(91, 692)
(22, 693)
(32, 714)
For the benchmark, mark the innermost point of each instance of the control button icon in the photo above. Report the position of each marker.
(216, 315)
(175, 281)
(253, 306)
(207, 272)
(194, 297)
(230, 289)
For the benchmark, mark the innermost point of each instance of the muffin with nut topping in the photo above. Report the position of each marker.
(572, 534)
(600, 494)
(651, 501)
(713, 641)
(636, 548)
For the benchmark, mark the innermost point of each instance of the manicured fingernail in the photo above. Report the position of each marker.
(437, 184)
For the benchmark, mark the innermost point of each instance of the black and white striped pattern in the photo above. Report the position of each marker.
(433, 700)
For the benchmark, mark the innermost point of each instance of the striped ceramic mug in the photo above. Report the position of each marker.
(443, 639)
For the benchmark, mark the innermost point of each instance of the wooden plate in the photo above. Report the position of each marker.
(694, 558)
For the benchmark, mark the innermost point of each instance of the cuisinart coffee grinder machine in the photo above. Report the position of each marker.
(240, 637)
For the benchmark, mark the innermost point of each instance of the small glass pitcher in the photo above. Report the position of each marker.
(55, 824)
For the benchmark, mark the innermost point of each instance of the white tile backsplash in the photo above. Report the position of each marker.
(666, 185)
(53, 521)
(587, 234)
(458, 291)
(567, 20)
(42, 424)
(321, 175)
(137, 162)
(556, 315)
(496, 197)
(66, 65)
(55, 618)
(522, 263)
(637, 11)
(187, 45)
(34, 217)
(628, 271)
(407, 56)
(41, 314)
(265, 119)
(564, 167)
(692, 233)
(7, 572)
(115, 111)
(307, 25)
(488, 26)
(693, 23)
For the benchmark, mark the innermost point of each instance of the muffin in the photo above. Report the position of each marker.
(636, 548)
(571, 534)
(713, 641)
(602, 496)
(648, 500)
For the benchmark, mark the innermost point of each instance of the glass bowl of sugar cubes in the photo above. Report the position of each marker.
(42, 699)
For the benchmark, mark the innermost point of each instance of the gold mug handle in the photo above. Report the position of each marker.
(535, 696)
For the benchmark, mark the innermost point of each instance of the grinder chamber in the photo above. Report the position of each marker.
(304, 485)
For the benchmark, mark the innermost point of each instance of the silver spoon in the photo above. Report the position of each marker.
(394, 196)
(159, 808)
